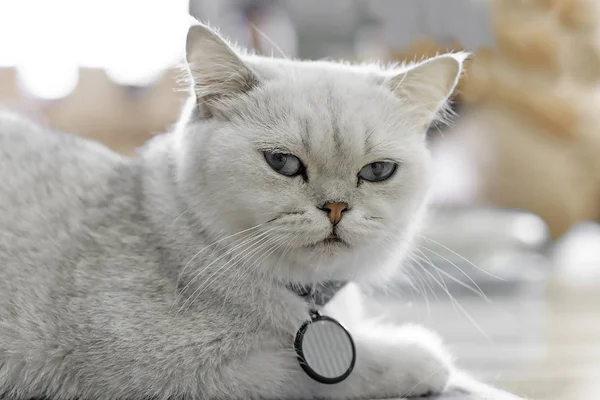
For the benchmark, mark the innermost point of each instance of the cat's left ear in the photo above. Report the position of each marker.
(217, 71)
(428, 85)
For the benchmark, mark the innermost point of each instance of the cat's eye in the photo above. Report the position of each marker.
(377, 171)
(285, 164)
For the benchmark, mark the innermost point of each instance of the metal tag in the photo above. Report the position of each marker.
(325, 349)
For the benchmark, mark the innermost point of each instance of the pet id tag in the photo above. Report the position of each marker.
(325, 349)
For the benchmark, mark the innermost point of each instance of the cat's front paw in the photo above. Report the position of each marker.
(425, 366)
(412, 361)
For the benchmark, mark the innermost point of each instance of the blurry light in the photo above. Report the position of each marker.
(455, 181)
(10, 32)
(577, 255)
(132, 74)
(49, 82)
(46, 65)
(140, 49)
(531, 230)
(135, 40)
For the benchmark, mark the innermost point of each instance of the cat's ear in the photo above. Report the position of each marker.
(428, 85)
(218, 73)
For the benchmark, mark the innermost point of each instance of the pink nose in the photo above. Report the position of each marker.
(335, 211)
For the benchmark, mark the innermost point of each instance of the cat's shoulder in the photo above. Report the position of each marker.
(29, 149)
(20, 136)
(41, 167)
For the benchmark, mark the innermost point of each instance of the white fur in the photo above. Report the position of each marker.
(299, 108)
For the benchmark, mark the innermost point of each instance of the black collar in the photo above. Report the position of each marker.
(318, 295)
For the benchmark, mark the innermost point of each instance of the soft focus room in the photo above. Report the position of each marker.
(507, 267)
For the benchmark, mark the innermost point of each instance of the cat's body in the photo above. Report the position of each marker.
(151, 277)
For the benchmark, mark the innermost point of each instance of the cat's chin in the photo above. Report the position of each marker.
(331, 243)
(327, 262)
(326, 252)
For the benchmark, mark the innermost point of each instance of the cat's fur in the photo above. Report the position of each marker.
(164, 276)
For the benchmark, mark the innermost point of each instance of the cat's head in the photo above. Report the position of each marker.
(319, 170)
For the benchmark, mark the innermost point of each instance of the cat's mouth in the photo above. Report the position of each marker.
(332, 240)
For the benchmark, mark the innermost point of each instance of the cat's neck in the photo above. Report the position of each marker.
(189, 246)
(163, 205)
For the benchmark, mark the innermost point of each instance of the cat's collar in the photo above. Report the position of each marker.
(317, 295)
(324, 348)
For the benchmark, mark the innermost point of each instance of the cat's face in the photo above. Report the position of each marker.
(323, 166)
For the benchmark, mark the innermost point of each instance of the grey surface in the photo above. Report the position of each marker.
(465, 388)
(473, 391)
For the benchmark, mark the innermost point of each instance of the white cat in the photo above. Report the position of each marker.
(166, 276)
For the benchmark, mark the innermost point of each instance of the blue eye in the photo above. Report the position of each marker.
(285, 164)
(377, 171)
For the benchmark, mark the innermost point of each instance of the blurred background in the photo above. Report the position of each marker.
(508, 266)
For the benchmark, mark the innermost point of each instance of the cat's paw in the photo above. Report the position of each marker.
(427, 367)
(411, 361)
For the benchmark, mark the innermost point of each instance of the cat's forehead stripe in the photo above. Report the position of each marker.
(335, 121)
(368, 136)
(305, 134)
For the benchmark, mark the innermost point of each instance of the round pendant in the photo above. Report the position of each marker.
(325, 350)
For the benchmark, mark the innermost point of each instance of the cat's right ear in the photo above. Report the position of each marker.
(217, 72)
(428, 85)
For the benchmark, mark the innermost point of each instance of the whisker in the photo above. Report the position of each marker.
(416, 284)
(219, 241)
(462, 309)
(248, 251)
(274, 243)
(268, 39)
(246, 241)
(183, 270)
(180, 215)
(246, 272)
(459, 282)
(411, 258)
(459, 269)
(466, 260)
(428, 260)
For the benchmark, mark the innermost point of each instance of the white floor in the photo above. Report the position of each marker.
(539, 344)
